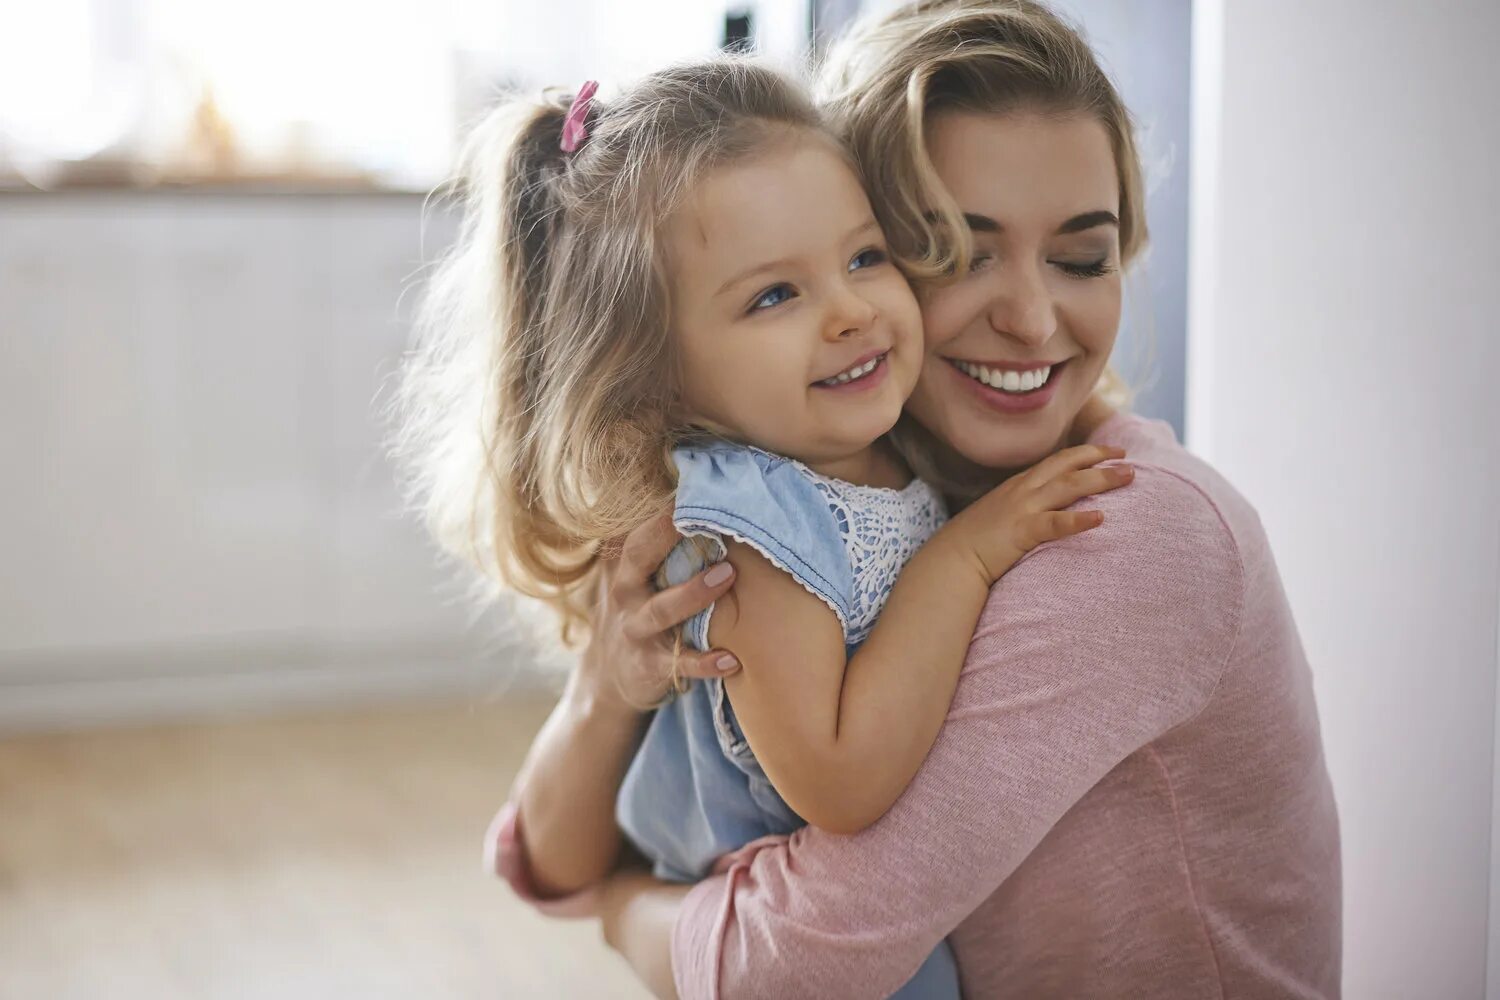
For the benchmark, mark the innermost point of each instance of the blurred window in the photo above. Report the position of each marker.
(306, 92)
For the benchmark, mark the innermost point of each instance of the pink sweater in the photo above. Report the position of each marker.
(1128, 797)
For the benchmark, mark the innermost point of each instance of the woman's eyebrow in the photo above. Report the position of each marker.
(1088, 220)
(1077, 224)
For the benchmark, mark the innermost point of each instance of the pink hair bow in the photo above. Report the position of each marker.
(575, 126)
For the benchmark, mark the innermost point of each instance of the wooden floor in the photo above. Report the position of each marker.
(329, 856)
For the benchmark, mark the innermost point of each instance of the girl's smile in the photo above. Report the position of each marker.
(868, 372)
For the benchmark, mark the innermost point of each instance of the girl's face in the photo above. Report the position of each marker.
(794, 330)
(1016, 346)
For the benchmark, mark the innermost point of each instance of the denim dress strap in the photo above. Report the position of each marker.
(769, 503)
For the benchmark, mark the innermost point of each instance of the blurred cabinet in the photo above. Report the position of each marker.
(189, 431)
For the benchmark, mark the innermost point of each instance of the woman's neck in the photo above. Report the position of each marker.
(965, 481)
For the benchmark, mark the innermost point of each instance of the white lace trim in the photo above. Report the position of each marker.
(882, 529)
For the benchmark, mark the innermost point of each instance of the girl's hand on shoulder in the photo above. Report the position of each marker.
(630, 653)
(1028, 509)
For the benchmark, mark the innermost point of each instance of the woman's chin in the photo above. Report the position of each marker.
(1010, 449)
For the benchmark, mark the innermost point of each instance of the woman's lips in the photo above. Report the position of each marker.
(1010, 402)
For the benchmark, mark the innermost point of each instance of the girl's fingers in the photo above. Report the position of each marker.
(714, 663)
(1064, 491)
(645, 548)
(1051, 525)
(1071, 460)
(675, 605)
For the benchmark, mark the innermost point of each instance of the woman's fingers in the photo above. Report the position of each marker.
(714, 663)
(1066, 490)
(645, 549)
(675, 605)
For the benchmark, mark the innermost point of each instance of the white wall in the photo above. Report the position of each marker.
(1343, 366)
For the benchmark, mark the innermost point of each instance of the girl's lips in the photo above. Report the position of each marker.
(1011, 402)
(876, 375)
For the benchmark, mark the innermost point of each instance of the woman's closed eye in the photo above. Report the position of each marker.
(1084, 269)
(773, 296)
(1072, 268)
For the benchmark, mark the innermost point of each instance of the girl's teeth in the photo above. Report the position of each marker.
(1006, 381)
(853, 373)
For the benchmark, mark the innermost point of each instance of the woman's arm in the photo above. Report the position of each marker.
(566, 788)
(841, 741)
(638, 912)
(1090, 649)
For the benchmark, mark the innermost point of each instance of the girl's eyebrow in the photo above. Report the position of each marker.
(772, 265)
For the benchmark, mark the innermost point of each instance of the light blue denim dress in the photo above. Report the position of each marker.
(695, 791)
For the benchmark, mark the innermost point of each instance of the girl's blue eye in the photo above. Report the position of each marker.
(867, 258)
(773, 296)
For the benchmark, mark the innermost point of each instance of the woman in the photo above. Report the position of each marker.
(1129, 796)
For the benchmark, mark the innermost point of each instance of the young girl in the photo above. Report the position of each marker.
(683, 295)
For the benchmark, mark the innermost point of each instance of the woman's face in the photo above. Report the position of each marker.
(1015, 347)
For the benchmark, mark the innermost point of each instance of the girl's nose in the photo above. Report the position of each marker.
(850, 314)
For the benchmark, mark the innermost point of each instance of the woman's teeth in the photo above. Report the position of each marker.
(1006, 381)
(855, 373)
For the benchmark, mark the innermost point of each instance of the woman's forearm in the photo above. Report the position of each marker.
(567, 787)
(638, 913)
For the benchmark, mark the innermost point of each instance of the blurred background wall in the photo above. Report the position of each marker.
(1342, 360)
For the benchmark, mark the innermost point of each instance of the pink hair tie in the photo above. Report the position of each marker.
(575, 127)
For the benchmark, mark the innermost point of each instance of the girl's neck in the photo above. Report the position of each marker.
(877, 465)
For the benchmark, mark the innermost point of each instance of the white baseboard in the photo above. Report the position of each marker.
(83, 690)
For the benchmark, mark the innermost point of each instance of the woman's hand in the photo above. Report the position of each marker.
(630, 652)
(567, 786)
(1028, 509)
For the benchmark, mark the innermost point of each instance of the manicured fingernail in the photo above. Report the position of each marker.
(718, 574)
(726, 663)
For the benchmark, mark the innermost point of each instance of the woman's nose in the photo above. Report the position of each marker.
(1023, 309)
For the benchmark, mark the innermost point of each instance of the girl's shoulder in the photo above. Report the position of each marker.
(723, 477)
(770, 503)
(716, 473)
(842, 541)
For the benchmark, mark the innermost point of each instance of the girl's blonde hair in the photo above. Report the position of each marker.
(538, 408)
(886, 80)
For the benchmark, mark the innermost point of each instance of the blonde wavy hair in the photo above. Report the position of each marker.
(887, 78)
(536, 412)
